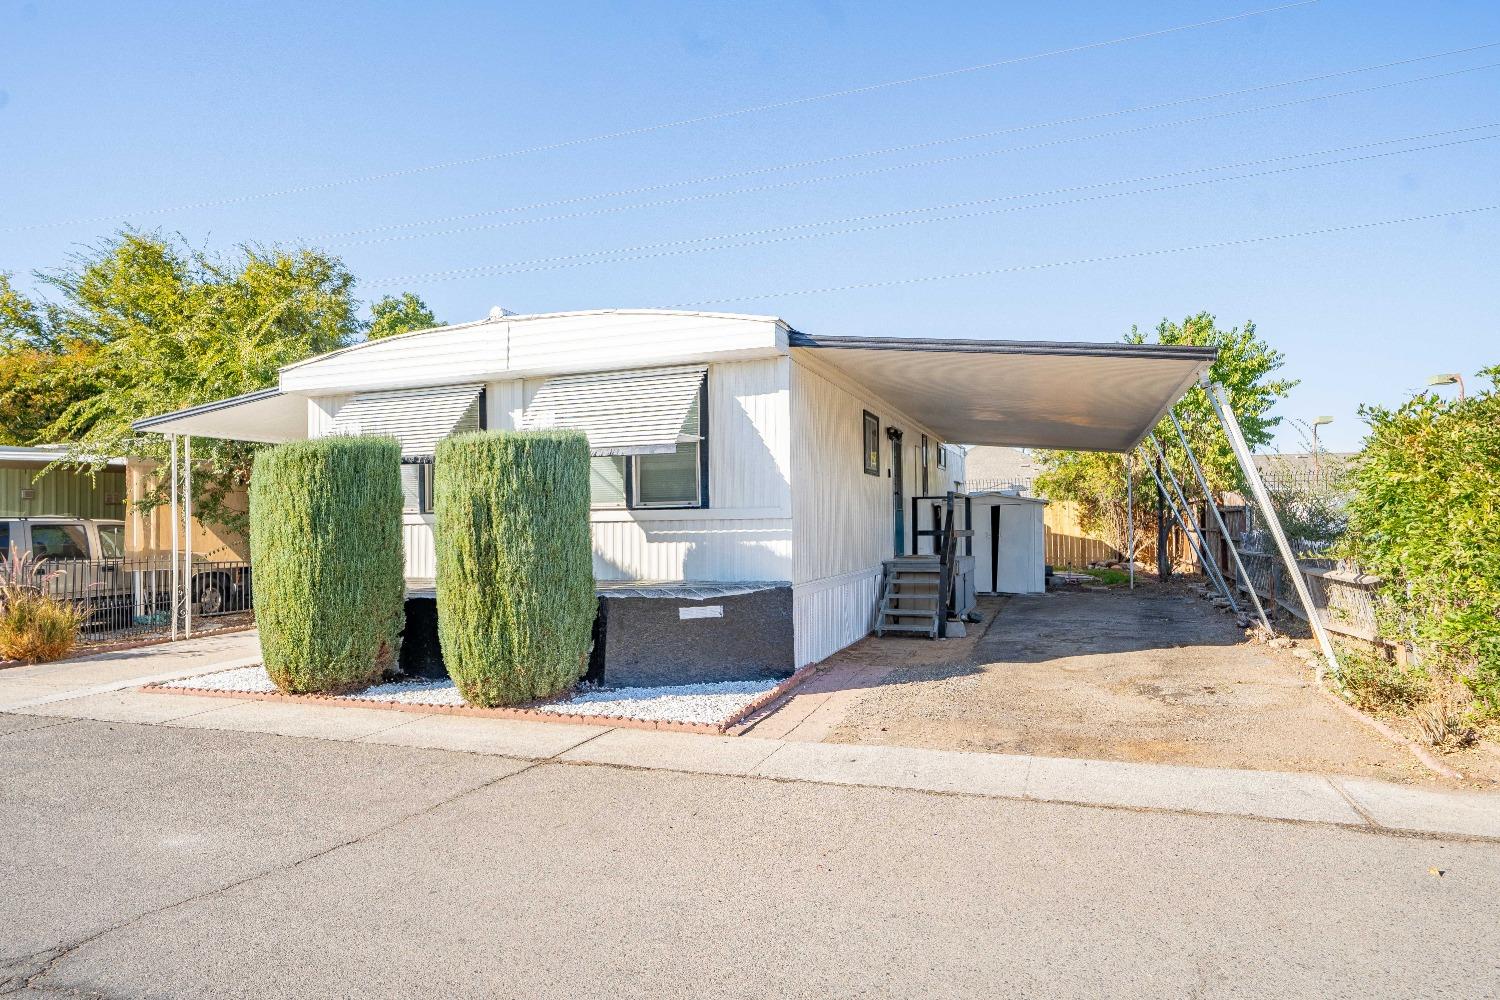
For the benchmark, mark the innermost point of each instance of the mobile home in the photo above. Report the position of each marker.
(749, 481)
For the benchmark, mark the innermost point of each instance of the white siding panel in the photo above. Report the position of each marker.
(421, 554)
(505, 403)
(749, 427)
(693, 548)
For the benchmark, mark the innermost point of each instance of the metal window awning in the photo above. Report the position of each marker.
(269, 416)
(638, 412)
(418, 418)
(1086, 397)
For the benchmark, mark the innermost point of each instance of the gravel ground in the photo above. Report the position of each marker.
(1156, 675)
(699, 703)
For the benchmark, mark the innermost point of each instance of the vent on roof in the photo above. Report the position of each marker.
(500, 312)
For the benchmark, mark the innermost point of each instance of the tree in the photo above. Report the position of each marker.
(141, 325)
(392, 315)
(1096, 480)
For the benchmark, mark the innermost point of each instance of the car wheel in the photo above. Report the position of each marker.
(210, 597)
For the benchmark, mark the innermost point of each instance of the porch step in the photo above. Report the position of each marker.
(908, 630)
(909, 612)
(909, 600)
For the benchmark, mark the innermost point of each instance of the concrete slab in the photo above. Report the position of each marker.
(15, 692)
(132, 705)
(675, 751)
(899, 767)
(1276, 795)
(1476, 814)
(293, 719)
(502, 737)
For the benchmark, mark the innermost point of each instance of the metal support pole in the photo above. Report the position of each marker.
(1208, 496)
(1130, 515)
(187, 527)
(1176, 515)
(176, 589)
(1205, 555)
(1220, 400)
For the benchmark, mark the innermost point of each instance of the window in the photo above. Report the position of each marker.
(607, 481)
(942, 456)
(872, 444)
(674, 479)
(111, 541)
(4, 539)
(59, 541)
(416, 487)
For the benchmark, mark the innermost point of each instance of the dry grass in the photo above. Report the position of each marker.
(1378, 685)
(1445, 719)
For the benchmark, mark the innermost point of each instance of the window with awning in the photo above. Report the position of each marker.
(645, 431)
(642, 412)
(418, 418)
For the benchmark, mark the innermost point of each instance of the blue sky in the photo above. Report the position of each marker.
(114, 114)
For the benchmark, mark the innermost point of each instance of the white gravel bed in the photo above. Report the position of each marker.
(697, 703)
(705, 703)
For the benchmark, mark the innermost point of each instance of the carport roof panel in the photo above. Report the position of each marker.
(1038, 394)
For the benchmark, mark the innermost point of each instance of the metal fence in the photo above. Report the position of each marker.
(128, 599)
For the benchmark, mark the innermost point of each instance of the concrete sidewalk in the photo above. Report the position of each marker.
(1284, 796)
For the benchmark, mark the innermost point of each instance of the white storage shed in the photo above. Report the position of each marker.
(1009, 543)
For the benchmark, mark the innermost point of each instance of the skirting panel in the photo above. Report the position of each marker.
(832, 613)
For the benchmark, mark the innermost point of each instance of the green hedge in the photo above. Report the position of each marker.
(515, 576)
(325, 541)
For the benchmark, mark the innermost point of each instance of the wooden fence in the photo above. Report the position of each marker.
(1069, 545)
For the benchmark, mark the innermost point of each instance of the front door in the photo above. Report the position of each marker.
(897, 511)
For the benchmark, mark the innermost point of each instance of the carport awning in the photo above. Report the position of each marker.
(268, 415)
(1086, 397)
(639, 412)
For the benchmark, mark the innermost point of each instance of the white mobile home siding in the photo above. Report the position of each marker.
(842, 517)
(745, 533)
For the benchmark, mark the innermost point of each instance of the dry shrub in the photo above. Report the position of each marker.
(36, 628)
(1376, 684)
(1444, 720)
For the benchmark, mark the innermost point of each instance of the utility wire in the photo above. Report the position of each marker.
(337, 239)
(681, 122)
(1106, 258)
(801, 231)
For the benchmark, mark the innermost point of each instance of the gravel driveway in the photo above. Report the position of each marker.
(1156, 675)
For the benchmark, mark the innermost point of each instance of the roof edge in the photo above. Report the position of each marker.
(146, 423)
(1033, 347)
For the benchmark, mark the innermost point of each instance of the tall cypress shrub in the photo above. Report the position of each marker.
(329, 570)
(515, 574)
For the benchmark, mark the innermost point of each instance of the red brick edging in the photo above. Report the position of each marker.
(518, 714)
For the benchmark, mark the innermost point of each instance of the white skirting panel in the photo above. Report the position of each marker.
(832, 613)
(421, 555)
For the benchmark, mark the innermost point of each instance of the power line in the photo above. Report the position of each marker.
(1107, 258)
(628, 254)
(678, 123)
(336, 238)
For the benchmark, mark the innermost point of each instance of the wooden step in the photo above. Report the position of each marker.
(908, 629)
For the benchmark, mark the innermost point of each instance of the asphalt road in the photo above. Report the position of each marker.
(141, 861)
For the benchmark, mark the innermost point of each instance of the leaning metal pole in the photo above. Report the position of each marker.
(1222, 407)
(1210, 564)
(1171, 504)
(1130, 515)
(1208, 496)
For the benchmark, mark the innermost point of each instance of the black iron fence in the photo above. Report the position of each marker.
(133, 598)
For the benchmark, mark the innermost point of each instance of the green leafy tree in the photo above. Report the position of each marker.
(1096, 480)
(142, 325)
(1425, 517)
(399, 314)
